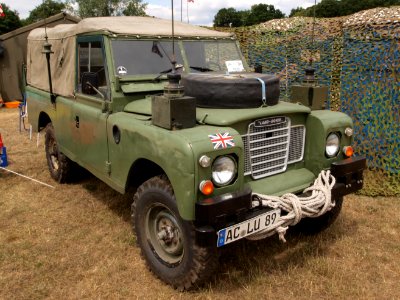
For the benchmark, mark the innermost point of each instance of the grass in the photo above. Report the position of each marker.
(75, 241)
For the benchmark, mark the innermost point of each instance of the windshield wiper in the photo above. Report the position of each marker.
(201, 69)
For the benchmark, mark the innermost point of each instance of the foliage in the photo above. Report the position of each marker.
(47, 9)
(337, 8)
(11, 20)
(230, 17)
(135, 8)
(296, 11)
(263, 12)
(102, 8)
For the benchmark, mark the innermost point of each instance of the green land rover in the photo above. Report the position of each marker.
(210, 152)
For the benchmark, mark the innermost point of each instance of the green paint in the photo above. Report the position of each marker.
(85, 128)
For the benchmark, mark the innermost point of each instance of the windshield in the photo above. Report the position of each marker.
(143, 57)
(133, 57)
(216, 55)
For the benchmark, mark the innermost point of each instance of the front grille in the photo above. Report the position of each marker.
(297, 139)
(269, 149)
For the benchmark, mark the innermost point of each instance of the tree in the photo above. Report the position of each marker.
(135, 8)
(103, 8)
(260, 13)
(295, 12)
(328, 9)
(352, 6)
(47, 9)
(227, 17)
(10, 21)
(338, 8)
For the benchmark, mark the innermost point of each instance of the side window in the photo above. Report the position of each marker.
(91, 68)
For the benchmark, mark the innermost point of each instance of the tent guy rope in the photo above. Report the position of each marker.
(26, 177)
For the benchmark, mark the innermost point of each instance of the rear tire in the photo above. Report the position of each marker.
(316, 225)
(167, 242)
(59, 165)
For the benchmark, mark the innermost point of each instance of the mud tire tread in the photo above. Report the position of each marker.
(64, 173)
(204, 260)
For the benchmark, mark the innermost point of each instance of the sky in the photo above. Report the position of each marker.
(201, 12)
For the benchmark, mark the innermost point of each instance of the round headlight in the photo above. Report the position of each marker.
(332, 145)
(223, 170)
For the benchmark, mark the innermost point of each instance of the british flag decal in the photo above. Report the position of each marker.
(222, 140)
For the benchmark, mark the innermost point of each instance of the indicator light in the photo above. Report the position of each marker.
(206, 187)
(348, 151)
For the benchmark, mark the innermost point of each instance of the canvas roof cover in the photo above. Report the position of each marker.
(62, 39)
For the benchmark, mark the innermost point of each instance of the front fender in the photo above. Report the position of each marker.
(140, 140)
(319, 124)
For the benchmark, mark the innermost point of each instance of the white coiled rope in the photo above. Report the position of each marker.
(318, 203)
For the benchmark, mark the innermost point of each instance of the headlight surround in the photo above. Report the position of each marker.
(224, 170)
(332, 145)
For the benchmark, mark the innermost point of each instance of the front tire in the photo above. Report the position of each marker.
(59, 165)
(316, 225)
(166, 241)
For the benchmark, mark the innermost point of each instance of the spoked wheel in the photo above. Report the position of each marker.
(167, 242)
(59, 165)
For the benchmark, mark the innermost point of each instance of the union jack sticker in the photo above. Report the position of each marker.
(222, 140)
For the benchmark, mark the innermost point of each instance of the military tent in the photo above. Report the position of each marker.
(13, 54)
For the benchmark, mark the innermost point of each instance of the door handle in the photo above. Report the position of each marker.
(76, 121)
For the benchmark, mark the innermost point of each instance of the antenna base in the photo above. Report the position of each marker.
(173, 89)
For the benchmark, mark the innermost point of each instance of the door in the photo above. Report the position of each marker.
(92, 93)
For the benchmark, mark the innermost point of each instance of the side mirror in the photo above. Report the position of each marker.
(90, 83)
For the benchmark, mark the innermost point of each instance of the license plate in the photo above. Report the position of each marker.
(248, 227)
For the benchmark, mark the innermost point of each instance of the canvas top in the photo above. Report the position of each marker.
(143, 26)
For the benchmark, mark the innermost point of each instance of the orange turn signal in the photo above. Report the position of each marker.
(206, 187)
(348, 151)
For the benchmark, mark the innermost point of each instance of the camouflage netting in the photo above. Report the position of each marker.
(358, 58)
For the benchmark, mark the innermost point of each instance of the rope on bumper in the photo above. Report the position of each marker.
(318, 203)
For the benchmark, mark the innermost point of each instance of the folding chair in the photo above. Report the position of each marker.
(23, 113)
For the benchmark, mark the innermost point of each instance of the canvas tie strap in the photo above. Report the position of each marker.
(318, 203)
(263, 91)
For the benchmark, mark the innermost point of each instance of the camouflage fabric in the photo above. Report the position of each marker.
(358, 58)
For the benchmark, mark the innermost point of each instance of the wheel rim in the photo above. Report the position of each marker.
(164, 234)
(53, 155)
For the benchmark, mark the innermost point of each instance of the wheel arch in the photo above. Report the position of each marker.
(43, 120)
(142, 170)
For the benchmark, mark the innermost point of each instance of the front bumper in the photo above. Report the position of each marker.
(349, 176)
(222, 211)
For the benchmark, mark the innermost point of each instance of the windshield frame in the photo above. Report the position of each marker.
(179, 49)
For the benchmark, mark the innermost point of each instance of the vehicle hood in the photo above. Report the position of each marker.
(225, 117)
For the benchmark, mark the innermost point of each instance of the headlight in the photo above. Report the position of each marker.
(332, 145)
(223, 170)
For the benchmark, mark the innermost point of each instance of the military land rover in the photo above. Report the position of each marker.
(210, 152)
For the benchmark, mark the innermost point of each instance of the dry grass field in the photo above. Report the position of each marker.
(75, 242)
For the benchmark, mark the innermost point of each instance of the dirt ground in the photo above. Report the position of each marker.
(75, 241)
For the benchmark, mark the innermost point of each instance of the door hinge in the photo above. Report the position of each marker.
(108, 167)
